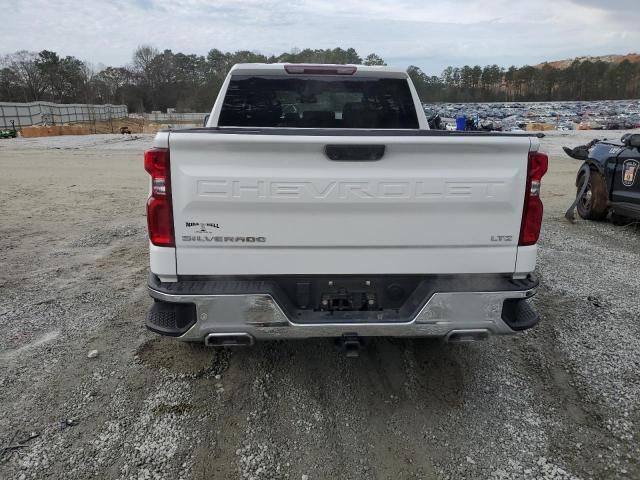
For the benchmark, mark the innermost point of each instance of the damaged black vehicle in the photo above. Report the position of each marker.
(607, 182)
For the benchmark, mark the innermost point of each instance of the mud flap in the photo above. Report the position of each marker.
(172, 319)
(519, 315)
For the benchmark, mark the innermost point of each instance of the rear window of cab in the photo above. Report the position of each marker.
(313, 101)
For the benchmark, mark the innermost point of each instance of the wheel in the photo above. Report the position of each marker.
(594, 203)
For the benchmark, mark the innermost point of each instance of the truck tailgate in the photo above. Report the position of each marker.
(263, 204)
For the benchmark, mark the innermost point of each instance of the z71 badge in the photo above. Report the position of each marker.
(201, 227)
(629, 172)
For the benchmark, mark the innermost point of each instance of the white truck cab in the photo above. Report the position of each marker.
(316, 202)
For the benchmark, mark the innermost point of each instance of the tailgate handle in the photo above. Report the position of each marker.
(354, 153)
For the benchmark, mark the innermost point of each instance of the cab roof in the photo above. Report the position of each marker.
(317, 69)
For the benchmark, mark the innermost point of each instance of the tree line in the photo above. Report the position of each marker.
(581, 80)
(154, 80)
(157, 80)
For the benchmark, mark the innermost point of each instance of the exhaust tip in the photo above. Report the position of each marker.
(467, 336)
(229, 340)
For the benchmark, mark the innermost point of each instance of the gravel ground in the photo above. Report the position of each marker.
(559, 402)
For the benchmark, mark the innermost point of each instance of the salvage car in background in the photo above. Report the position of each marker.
(608, 181)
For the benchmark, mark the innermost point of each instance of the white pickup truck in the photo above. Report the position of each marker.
(316, 202)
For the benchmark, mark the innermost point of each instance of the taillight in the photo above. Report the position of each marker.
(532, 212)
(320, 69)
(159, 209)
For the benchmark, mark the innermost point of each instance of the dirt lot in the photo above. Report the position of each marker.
(561, 401)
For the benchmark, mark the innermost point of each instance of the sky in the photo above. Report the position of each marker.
(430, 34)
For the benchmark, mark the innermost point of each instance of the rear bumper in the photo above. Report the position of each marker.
(192, 310)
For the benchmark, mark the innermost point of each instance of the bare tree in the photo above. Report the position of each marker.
(143, 58)
(24, 65)
(88, 73)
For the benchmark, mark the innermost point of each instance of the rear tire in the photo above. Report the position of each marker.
(594, 203)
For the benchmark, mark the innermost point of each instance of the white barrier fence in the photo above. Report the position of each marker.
(41, 113)
(159, 117)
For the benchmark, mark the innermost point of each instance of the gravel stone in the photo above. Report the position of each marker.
(561, 401)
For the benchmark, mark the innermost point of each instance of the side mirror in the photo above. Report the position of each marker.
(206, 119)
(631, 140)
(579, 153)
